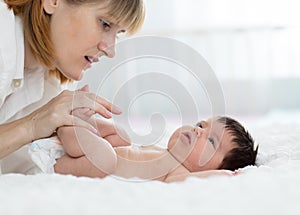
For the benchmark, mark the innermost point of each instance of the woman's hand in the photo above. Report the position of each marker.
(58, 112)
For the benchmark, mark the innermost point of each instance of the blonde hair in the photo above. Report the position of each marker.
(36, 22)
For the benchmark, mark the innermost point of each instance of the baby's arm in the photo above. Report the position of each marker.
(201, 174)
(116, 135)
(85, 151)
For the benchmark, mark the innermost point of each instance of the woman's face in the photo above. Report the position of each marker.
(200, 147)
(80, 35)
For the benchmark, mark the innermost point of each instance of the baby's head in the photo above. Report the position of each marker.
(243, 152)
(218, 143)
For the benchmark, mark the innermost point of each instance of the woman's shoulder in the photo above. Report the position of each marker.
(11, 51)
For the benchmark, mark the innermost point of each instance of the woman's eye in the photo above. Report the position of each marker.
(105, 24)
(120, 34)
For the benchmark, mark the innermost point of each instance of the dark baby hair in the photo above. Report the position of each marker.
(243, 153)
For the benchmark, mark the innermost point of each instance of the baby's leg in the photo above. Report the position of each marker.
(77, 166)
(69, 140)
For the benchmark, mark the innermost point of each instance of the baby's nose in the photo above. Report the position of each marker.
(199, 131)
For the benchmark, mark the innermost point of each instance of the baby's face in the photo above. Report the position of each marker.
(201, 146)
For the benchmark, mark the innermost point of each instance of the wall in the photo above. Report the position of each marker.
(252, 46)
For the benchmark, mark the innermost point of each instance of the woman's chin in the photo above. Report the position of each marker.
(75, 76)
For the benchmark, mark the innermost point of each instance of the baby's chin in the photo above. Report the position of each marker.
(172, 141)
(178, 152)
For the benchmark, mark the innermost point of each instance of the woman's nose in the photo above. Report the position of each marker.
(108, 50)
(108, 47)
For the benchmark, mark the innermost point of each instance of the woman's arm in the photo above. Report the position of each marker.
(45, 120)
(14, 135)
(201, 174)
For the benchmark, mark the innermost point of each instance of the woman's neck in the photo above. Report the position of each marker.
(30, 61)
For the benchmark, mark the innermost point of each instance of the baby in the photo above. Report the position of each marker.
(210, 147)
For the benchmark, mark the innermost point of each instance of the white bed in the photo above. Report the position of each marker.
(272, 188)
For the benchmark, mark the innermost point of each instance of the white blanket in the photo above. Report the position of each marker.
(271, 188)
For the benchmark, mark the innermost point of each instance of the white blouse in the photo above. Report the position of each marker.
(21, 90)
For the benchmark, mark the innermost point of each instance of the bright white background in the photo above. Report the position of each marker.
(253, 46)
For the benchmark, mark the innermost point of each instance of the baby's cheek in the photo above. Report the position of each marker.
(207, 154)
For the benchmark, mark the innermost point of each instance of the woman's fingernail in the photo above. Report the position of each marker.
(116, 109)
(109, 114)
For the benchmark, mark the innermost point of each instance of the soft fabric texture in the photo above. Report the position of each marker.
(271, 188)
(44, 153)
(11, 55)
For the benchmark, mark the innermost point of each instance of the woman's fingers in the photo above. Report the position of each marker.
(105, 103)
(83, 113)
(111, 107)
(58, 112)
(108, 105)
(98, 104)
(88, 103)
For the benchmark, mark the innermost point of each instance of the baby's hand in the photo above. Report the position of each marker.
(236, 172)
(225, 172)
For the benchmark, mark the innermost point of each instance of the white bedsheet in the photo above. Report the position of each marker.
(271, 188)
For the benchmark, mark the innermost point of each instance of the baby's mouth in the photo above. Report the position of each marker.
(186, 137)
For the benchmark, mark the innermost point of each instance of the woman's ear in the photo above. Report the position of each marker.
(50, 6)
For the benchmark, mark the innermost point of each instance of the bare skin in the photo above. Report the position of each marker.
(88, 154)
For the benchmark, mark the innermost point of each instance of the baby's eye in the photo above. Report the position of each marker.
(212, 141)
(106, 25)
(199, 125)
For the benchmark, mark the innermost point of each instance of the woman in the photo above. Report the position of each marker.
(44, 45)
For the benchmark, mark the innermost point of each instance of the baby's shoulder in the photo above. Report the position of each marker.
(179, 170)
(152, 147)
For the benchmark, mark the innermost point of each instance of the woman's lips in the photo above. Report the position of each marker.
(91, 59)
(87, 64)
